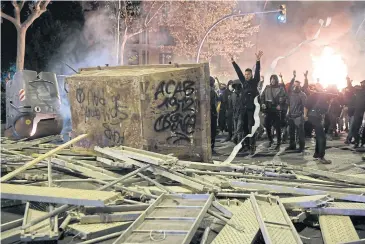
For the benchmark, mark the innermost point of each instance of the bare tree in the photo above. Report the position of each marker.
(36, 10)
(131, 18)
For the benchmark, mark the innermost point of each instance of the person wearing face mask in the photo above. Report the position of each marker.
(297, 100)
(273, 101)
(359, 105)
(235, 105)
(248, 94)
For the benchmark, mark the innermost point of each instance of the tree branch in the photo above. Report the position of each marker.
(145, 20)
(155, 13)
(11, 19)
(21, 5)
(39, 8)
(16, 11)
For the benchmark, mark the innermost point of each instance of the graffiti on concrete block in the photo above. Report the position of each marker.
(106, 109)
(179, 106)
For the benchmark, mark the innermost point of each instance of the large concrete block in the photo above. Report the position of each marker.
(161, 108)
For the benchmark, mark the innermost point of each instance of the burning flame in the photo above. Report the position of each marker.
(330, 69)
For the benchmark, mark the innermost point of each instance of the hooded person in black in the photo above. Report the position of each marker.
(273, 101)
(314, 110)
(226, 111)
(213, 112)
(235, 105)
(358, 102)
(249, 92)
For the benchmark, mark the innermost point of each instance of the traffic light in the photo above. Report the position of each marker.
(282, 14)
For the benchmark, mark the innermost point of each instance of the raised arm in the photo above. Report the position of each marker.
(256, 78)
(238, 71)
(306, 85)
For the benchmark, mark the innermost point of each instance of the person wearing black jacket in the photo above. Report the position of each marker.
(359, 105)
(314, 110)
(213, 113)
(226, 111)
(249, 92)
(348, 96)
(273, 101)
(235, 105)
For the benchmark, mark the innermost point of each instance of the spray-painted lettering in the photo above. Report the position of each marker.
(113, 135)
(80, 95)
(104, 108)
(180, 97)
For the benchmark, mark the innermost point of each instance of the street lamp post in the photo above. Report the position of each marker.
(224, 18)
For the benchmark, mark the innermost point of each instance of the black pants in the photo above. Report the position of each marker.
(229, 121)
(222, 118)
(316, 122)
(297, 124)
(356, 126)
(273, 118)
(308, 129)
(248, 121)
(213, 129)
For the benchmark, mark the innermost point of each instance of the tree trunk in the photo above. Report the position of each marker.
(21, 33)
(122, 48)
(118, 30)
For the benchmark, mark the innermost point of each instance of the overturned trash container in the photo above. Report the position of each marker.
(160, 108)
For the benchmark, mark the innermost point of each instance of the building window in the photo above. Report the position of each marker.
(165, 58)
(144, 37)
(145, 57)
(133, 57)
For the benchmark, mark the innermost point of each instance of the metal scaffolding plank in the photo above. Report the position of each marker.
(109, 218)
(306, 201)
(243, 216)
(341, 208)
(337, 229)
(58, 195)
(275, 223)
(42, 231)
(156, 170)
(90, 231)
(307, 190)
(179, 228)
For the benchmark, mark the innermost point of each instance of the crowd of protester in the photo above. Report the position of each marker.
(293, 111)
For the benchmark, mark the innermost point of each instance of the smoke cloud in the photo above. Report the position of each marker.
(277, 39)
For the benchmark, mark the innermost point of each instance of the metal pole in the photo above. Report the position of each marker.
(102, 238)
(155, 183)
(127, 176)
(224, 18)
(50, 185)
(205, 236)
(65, 223)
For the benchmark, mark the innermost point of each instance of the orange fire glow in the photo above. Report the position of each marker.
(329, 68)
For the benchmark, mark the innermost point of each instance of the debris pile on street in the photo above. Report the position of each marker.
(129, 195)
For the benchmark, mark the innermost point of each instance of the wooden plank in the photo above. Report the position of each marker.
(58, 195)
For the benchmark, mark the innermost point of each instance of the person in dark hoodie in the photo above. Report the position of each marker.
(314, 110)
(359, 105)
(273, 101)
(249, 92)
(213, 112)
(235, 105)
(226, 112)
